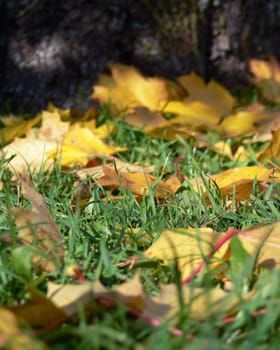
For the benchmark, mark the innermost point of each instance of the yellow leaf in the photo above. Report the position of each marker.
(233, 175)
(222, 148)
(80, 145)
(272, 150)
(130, 89)
(17, 128)
(240, 123)
(265, 69)
(30, 152)
(241, 154)
(199, 304)
(239, 180)
(212, 94)
(71, 297)
(193, 84)
(104, 131)
(192, 113)
(267, 77)
(267, 126)
(187, 246)
(64, 113)
(264, 237)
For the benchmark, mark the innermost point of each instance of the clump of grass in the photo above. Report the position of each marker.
(98, 235)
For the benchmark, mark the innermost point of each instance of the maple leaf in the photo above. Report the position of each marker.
(212, 94)
(240, 123)
(185, 246)
(138, 183)
(15, 127)
(194, 113)
(30, 152)
(128, 88)
(189, 247)
(81, 144)
(267, 77)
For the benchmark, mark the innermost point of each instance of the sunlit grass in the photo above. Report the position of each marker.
(99, 233)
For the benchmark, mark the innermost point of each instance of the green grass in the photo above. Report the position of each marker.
(97, 236)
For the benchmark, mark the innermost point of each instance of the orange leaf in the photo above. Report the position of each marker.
(145, 119)
(138, 183)
(240, 178)
(265, 69)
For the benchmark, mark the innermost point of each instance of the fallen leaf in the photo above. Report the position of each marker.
(70, 297)
(80, 145)
(191, 247)
(240, 123)
(238, 180)
(40, 313)
(30, 152)
(12, 337)
(118, 165)
(37, 227)
(188, 247)
(266, 239)
(264, 69)
(267, 77)
(194, 113)
(16, 128)
(212, 94)
(138, 183)
(200, 304)
(147, 120)
(265, 127)
(272, 150)
(128, 89)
